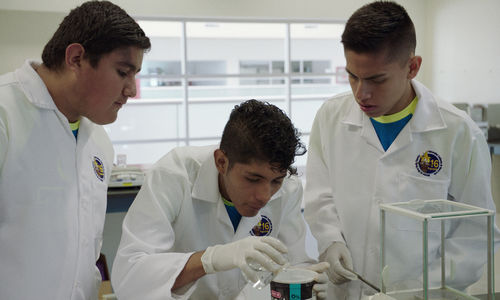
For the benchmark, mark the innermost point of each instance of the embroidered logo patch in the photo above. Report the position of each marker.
(98, 168)
(263, 228)
(429, 163)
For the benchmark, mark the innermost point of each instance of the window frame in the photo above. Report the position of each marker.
(184, 77)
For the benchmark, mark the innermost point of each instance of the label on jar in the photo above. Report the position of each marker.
(292, 291)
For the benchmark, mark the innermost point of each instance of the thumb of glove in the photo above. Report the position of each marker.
(321, 285)
(340, 260)
(319, 267)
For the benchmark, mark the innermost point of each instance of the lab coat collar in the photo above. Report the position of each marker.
(37, 93)
(427, 116)
(33, 86)
(206, 185)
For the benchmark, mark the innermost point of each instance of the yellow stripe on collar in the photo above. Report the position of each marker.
(74, 126)
(227, 202)
(410, 109)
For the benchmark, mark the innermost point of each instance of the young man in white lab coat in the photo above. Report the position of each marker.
(373, 146)
(203, 213)
(56, 159)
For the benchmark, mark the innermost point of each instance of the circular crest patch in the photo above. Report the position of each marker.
(429, 163)
(263, 228)
(98, 168)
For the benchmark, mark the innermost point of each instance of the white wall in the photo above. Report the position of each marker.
(23, 35)
(463, 54)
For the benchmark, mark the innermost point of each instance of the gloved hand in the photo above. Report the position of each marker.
(266, 251)
(339, 258)
(321, 279)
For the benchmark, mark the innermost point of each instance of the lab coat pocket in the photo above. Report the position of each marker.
(412, 187)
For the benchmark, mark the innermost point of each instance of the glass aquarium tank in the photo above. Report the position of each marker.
(435, 249)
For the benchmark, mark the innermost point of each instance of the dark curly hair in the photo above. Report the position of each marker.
(100, 27)
(260, 131)
(381, 26)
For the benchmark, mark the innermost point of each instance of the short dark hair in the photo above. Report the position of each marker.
(260, 131)
(100, 27)
(380, 26)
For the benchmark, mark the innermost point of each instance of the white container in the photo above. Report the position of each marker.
(294, 283)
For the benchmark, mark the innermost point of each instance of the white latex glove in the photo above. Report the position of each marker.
(321, 279)
(339, 258)
(266, 251)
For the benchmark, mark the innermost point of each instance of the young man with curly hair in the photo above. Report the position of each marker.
(204, 213)
(56, 159)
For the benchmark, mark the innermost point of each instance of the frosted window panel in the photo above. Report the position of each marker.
(233, 42)
(166, 49)
(161, 61)
(208, 119)
(204, 142)
(303, 113)
(161, 89)
(147, 122)
(308, 97)
(321, 39)
(145, 153)
(237, 93)
(206, 67)
(315, 87)
(161, 67)
(165, 39)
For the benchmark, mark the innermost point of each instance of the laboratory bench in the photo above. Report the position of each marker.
(494, 147)
(120, 198)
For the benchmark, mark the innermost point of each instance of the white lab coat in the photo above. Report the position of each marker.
(179, 211)
(52, 202)
(349, 175)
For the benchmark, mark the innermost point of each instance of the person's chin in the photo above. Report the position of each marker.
(106, 120)
(250, 212)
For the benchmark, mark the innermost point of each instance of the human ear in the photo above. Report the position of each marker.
(415, 63)
(221, 161)
(74, 56)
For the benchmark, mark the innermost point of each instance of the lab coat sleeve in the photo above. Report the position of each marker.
(145, 267)
(466, 242)
(293, 226)
(320, 210)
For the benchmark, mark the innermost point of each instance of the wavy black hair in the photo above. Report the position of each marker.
(100, 27)
(259, 131)
(381, 26)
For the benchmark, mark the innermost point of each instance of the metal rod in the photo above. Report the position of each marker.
(362, 279)
(382, 248)
(425, 259)
(443, 264)
(491, 272)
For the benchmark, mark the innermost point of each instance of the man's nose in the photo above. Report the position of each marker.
(130, 89)
(264, 193)
(362, 91)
